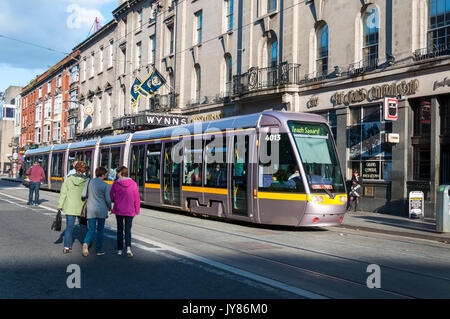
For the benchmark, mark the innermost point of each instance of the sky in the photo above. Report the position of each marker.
(54, 27)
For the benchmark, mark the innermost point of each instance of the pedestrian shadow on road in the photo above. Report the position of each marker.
(79, 233)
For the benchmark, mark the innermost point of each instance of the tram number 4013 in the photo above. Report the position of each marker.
(273, 137)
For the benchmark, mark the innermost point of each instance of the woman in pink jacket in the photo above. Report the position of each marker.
(125, 195)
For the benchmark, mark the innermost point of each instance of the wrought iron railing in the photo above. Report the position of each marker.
(365, 65)
(261, 78)
(431, 52)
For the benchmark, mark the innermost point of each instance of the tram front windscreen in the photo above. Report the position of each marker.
(318, 156)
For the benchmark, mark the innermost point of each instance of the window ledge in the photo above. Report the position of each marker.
(268, 14)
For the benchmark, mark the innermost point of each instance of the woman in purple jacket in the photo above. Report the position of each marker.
(125, 195)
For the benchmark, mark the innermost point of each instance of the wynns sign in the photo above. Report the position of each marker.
(154, 120)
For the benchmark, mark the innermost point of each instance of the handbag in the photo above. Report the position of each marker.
(56, 225)
(26, 182)
(84, 208)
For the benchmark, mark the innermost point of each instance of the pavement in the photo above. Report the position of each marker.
(378, 223)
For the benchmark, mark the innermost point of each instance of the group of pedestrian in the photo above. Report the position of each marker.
(122, 199)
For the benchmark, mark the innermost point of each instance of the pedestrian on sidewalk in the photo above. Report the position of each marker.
(37, 176)
(355, 190)
(96, 192)
(125, 195)
(70, 202)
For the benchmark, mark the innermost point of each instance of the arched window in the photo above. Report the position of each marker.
(198, 82)
(439, 25)
(273, 54)
(322, 50)
(371, 25)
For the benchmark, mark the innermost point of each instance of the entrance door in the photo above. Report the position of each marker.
(171, 181)
(239, 173)
(137, 167)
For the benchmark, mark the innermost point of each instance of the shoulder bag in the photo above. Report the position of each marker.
(84, 208)
(56, 225)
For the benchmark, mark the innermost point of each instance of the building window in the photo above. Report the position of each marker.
(47, 133)
(170, 39)
(139, 19)
(111, 54)
(48, 109)
(57, 131)
(198, 83)
(99, 111)
(84, 69)
(124, 59)
(152, 51)
(101, 61)
(369, 154)
(139, 54)
(40, 92)
(49, 87)
(37, 135)
(108, 108)
(271, 5)
(439, 25)
(58, 104)
(198, 27)
(370, 42)
(228, 75)
(322, 50)
(92, 65)
(332, 121)
(59, 81)
(229, 15)
(74, 74)
(73, 99)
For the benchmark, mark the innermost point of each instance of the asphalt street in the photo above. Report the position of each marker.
(180, 256)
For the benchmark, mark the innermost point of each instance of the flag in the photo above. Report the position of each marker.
(153, 82)
(135, 92)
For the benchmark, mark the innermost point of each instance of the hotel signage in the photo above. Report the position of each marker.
(376, 92)
(158, 120)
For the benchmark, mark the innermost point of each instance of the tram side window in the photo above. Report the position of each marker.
(57, 165)
(104, 158)
(87, 159)
(70, 161)
(115, 161)
(278, 170)
(216, 164)
(193, 157)
(153, 159)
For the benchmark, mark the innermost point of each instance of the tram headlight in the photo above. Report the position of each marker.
(343, 199)
(317, 199)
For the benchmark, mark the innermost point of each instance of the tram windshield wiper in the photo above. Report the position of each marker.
(330, 194)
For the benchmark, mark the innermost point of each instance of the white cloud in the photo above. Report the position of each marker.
(81, 17)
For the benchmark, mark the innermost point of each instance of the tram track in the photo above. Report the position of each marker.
(284, 245)
(324, 276)
(281, 264)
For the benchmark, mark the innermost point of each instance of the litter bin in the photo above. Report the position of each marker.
(443, 209)
(416, 204)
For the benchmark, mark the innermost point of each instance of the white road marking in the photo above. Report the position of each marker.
(215, 264)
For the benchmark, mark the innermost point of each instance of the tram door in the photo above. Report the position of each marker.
(171, 177)
(137, 167)
(239, 174)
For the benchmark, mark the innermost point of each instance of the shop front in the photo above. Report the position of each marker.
(394, 155)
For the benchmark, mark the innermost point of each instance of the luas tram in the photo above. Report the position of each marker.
(278, 168)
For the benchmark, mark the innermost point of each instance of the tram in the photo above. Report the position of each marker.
(274, 168)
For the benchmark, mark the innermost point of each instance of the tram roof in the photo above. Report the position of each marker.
(38, 150)
(82, 144)
(114, 139)
(243, 121)
(60, 147)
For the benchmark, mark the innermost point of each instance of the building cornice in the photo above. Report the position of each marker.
(111, 24)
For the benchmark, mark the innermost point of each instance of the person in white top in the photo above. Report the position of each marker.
(72, 171)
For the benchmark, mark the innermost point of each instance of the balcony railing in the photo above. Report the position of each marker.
(262, 78)
(365, 65)
(432, 52)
